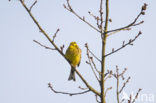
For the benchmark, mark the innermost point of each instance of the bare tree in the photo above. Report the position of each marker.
(100, 74)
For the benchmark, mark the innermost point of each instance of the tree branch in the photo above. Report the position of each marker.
(117, 76)
(104, 37)
(95, 67)
(90, 61)
(124, 45)
(101, 15)
(70, 94)
(60, 52)
(82, 88)
(95, 17)
(109, 76)
(124, 84)
(97, 99)
(117, 86)
(94, 55)
(86, 83)
(126, 29)
(69, 8)
(142, 12)
(46, 47)
(40, 28)
(89, 51)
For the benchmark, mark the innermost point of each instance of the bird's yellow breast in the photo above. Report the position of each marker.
(73, 54)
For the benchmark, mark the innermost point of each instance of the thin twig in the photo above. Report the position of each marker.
(46, 47)
(70, 94)
(55, 34)
(94, 55)
(95, 17)
(124, 84)
(130, 99)
(96, 96)
(136, 96)
(101, 15)
(82, 88)
(123, 72)
(95, 66)
(109, 76)
(62, 47)
(107, 90)
(86, 83)
(108, 72)
(93, 70)
(122, 100)
(32, 5)
(126, 29)
(124, 45)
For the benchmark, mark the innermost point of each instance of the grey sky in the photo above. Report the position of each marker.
(26, 68)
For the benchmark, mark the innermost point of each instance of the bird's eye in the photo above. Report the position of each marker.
(75, 45)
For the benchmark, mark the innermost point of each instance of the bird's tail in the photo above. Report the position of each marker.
(72, 74)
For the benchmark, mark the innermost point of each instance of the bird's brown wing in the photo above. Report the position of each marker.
(80, 57)
(79, 62)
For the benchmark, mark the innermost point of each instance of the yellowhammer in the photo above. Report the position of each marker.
(73, 54)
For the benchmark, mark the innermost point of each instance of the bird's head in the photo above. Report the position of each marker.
(73, 44)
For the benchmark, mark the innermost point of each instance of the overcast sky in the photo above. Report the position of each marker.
(26, 68)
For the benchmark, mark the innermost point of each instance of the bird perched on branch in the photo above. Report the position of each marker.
(73, 55)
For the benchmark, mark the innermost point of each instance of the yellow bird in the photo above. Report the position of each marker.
(73, 55)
